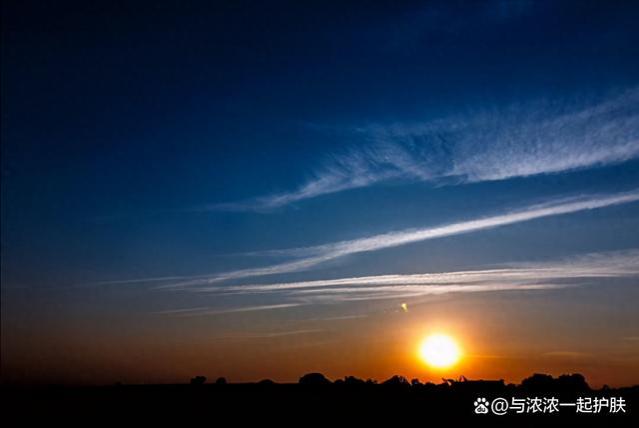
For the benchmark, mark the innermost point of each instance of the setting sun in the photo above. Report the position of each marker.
(439, 351)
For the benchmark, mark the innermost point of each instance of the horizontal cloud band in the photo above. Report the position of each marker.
(521, 277)
(313, 256)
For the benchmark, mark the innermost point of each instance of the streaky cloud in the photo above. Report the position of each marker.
(181, 312)
(347, 171)
(521, 277)
(313, 256)
(486, 145)
(198, 312)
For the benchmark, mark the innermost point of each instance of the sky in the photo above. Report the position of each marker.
(254, 189)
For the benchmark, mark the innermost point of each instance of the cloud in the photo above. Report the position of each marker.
(532, 276)
(614, 264)
(198, 312)
(520, 277)
(350, 170)
(310, 257)
(182, 312)
(485, 145)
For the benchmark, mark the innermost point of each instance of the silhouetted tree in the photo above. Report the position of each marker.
(314, 379)
(537, 382)
(415, 382)
(574, 382)
(431, 387)
(396, 381)
(220, 381)
(352, 380)
(198, 380)
(543, 383)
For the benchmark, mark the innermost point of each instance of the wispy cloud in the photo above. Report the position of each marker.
(182, 312)
(518, 141)
(310, 257)
(358, 292)
(351, 170)
(525, 276)
(204, 311)
(532, 276)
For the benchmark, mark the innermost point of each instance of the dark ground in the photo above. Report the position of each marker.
(312, 401)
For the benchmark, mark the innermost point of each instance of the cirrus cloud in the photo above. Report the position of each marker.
(485, 145)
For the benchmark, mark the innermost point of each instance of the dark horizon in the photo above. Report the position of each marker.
(562, 399)
(317, 378)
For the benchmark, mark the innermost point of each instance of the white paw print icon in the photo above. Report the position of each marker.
(481, 406)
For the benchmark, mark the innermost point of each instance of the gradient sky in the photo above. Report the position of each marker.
(253, 190)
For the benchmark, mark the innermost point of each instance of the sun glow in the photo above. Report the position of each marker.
(439, 351)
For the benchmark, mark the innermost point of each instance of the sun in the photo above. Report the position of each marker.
(439, 351)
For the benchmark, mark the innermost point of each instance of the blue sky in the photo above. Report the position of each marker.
(232, 158)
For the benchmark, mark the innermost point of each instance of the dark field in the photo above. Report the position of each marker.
(313, 401)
